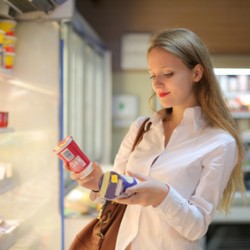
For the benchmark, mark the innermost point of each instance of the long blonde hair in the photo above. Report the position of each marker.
(191, 50)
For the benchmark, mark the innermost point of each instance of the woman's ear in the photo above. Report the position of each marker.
(198, 73)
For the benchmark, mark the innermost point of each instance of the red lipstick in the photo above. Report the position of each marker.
(163, 94)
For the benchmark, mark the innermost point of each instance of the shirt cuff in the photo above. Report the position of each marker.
(172, 202)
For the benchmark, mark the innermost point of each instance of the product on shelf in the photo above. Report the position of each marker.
(6, 226)
(8, 60)
(7, 43)
(1, 55)
(68, 151)
(8, 26)
(8, 233)
(5, 170)
(4, 119)
(2, 34)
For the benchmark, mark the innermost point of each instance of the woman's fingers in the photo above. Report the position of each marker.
(140, 177)
(66, 166)
(149, 192)
(90, 181)
(85, 179)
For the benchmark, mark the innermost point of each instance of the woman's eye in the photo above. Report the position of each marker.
(168, 75)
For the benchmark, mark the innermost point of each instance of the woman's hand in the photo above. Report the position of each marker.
(149, 192)
(90, 181)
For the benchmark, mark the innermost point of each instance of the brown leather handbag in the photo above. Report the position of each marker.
(101, 232)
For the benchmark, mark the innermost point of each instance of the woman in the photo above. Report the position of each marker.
(189, 162)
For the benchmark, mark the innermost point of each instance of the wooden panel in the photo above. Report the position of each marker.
(224, 25)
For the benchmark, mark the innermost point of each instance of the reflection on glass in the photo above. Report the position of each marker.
(85, 96)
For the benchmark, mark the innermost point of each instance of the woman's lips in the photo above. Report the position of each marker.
(163, 94)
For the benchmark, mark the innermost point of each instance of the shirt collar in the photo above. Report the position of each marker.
(192, 116)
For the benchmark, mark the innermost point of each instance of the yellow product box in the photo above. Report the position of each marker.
(2, 35)
(8, 26)
(8, 60)
(9, 40)
(1, 56)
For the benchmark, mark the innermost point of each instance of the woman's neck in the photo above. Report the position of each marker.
(173, 116)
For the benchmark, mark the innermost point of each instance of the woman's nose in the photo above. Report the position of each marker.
(158, 81)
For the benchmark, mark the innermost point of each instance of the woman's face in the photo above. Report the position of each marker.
(172, 80)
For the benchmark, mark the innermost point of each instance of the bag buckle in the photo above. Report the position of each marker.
(100, 234)
(103, 222)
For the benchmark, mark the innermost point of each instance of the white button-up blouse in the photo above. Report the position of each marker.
(196, 164)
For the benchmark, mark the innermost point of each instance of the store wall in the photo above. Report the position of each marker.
(224, 25)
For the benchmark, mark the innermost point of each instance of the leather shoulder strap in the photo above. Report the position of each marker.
(141, 132)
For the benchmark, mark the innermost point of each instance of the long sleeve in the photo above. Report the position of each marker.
(192, 217)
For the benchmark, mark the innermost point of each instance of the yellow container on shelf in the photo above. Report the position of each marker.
(8, 60)
(2, 35)
(1, 56)
(8, 26)
(9, 40)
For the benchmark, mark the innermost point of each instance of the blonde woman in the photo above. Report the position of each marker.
(189, 163)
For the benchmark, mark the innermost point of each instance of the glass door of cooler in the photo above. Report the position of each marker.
(29, 179)
(86, 115)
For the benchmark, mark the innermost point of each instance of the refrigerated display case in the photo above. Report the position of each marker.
(231, 231)
(235, 85)
(29, 196)
(60, 85)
